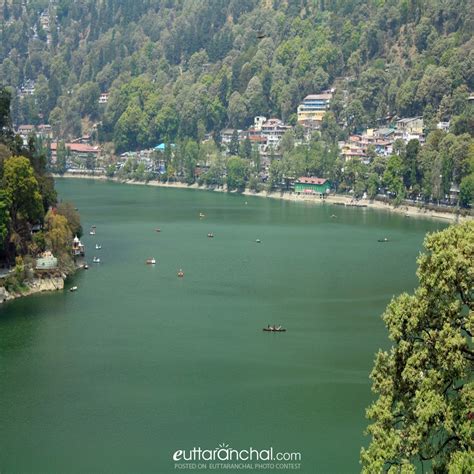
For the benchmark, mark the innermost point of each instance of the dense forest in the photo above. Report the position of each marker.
(176, 72)
(31, 220)
(191, 67)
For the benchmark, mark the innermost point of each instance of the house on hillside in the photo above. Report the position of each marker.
(273, 130)
(104, 98)
(311, 111)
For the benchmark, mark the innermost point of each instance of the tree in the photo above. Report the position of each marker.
(393, 176)
(61, 154)
(58, 235)
(237, 110)
(67, 210)
(424, 383)
(237, 173)
(4, 218)
(466, 191)
(255, 98)
(21, 188)
(246, 149)
(234, 143)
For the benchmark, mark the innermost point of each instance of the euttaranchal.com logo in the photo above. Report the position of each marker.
(225, 457)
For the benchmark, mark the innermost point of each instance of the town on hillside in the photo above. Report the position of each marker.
(263, 143)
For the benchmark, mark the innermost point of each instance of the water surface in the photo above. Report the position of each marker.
(138, 363)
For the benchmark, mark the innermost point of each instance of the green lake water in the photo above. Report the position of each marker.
(139, 363)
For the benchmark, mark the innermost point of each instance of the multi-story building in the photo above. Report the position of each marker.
(313, 108)
(410, 128)
(273, 130)
(104, 98)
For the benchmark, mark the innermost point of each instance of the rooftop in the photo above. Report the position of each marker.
(325, 96)
(308, 180)
(77, 147)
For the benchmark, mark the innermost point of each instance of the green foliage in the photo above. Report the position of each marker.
(466, 190)
(423, 413)
(21, 188)
(179, 70)
(237, 173)
(67, 210)
(58, 237)
(27, 190)
(5, 219)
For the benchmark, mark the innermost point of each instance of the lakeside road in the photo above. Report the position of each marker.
(408, 211)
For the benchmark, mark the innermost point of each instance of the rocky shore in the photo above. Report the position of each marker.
(35, 285)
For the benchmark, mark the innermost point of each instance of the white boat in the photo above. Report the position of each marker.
(201, 215)
(73, 288)
(150, 261)
(96, 260)
(98, 247)
(92, 232)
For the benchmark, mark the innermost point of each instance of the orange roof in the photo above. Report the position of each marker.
(77, 147)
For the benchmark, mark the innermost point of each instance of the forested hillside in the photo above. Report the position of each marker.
(184, 68)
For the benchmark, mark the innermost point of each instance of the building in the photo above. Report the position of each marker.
(44, 131)
(410, 125)
(77, 249)
(313, 108)
(258, 122)
(444, 126)
(44, 20)
(306, 185)
(273, 130)
(77, 150)
(226, 135)
(104, 98)
(25, 131)
(47, 261)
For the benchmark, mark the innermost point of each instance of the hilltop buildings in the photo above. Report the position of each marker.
(311, 111)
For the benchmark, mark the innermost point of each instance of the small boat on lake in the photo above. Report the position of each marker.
(157, 229)
(92, 232)
(383, 240)
(180, 273)
(73, 288)
(258, 241)
(201, 215)
(96, 260)
(270, 328)
(98, 247)
(210, 235)
(85, 266)
(150, 261)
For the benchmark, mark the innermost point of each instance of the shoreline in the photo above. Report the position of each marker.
(33, 286)
(334, 199)
(39, 284)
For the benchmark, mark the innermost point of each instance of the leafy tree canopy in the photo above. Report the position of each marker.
(424, 410)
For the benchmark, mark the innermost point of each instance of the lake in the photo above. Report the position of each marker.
(139, 363)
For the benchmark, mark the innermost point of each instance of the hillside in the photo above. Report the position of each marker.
(186, 68)
(132, 75)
